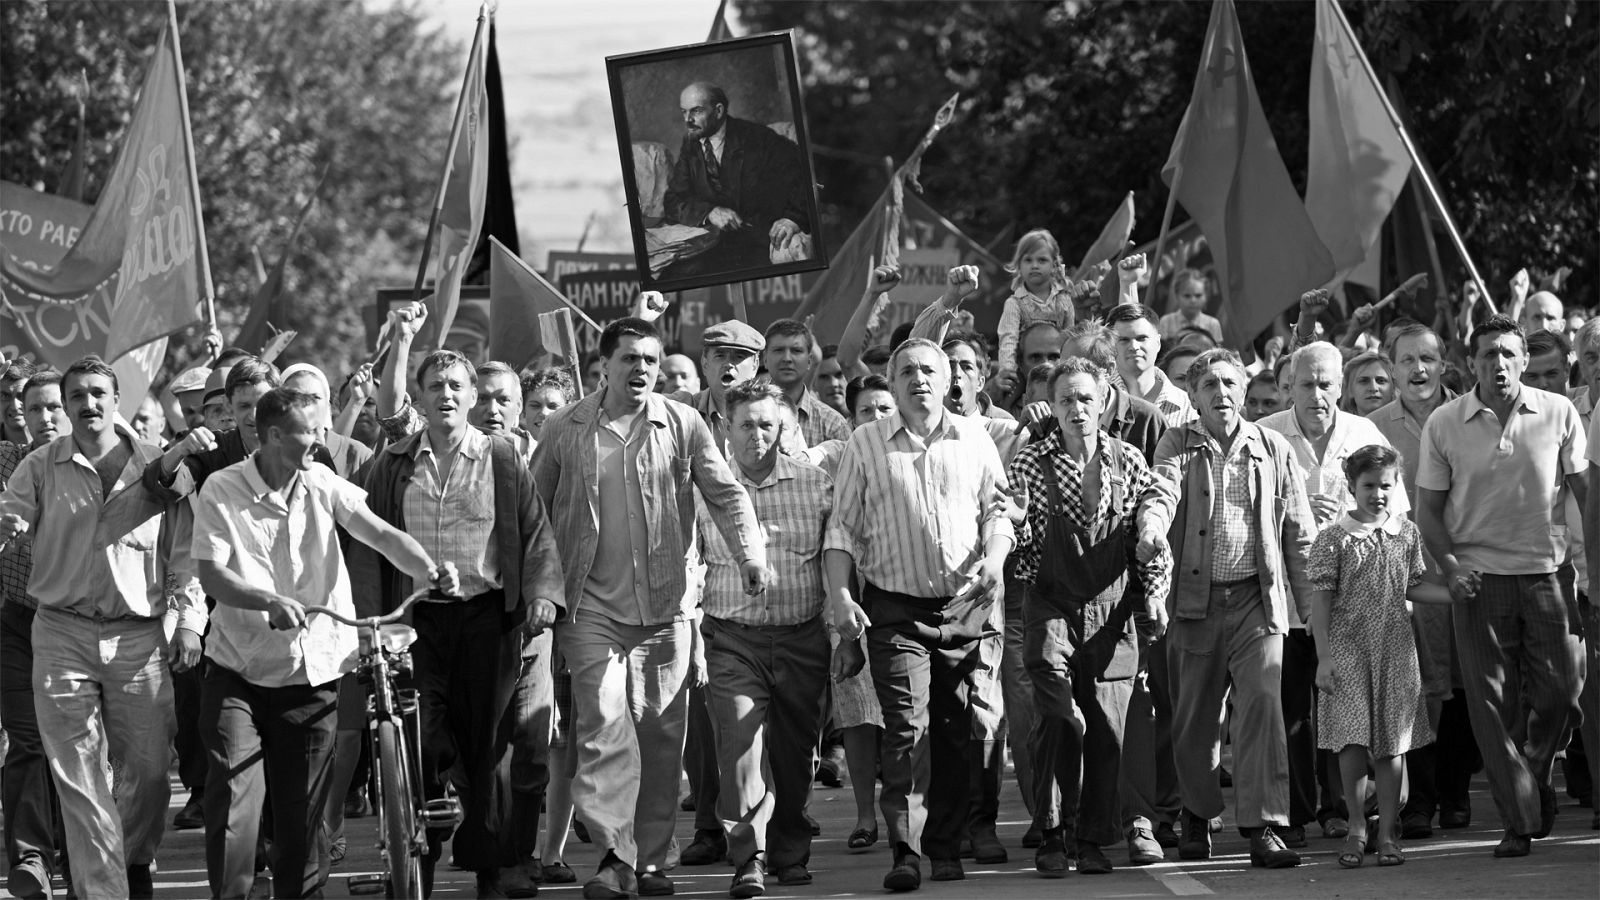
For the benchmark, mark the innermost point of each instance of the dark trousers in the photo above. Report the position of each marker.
(1077, 735)
(532, 706)
(1313, 795)
(192, 762)
(33, 820)
(466, 665)
(1440, 773)
(700, 762)
(767, 692)
(920, 670)
(253, 735)
(1149, 790)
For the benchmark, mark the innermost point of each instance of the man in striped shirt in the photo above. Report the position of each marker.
(915, 514)
(754, 644)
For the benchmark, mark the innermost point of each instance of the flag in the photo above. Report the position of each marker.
(499, 208)
(1357, 161)
(265, 310)
(719, 25)
(834, 296)
(1226, 171)
(1409, 241)
(517, 297)
(557, 336)
(463, 191)
(1113, 238)
(142, 252)
(74, 176)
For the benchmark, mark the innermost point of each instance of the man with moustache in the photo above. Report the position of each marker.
(469, 500)
(767, 655)
(1439, 774)
(621, 471)
(1495, 466)
(101, 656)
(14, 374)
(915, 517)
(1229, 500)
(1322, 436)
(738, 178)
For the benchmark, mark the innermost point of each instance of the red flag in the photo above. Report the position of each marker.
(266, 313)
(76, 173)
(499, 205)
(1357, 162)
(518, 297)
(1113, 238)
(1226, 171)
(144, 244)
(463, 190)
(719, 25)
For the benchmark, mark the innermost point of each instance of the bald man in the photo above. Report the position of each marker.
(738, 178)
(1543, 312)
(678, 374)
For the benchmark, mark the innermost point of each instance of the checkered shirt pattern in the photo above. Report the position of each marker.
(792, 506)
(1171, 400)
(1233, 517)
(454, 522)
(16, 560)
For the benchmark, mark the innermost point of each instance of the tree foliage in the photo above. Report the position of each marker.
(277, 92)
(1068, 105)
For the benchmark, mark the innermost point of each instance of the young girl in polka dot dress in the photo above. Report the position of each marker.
(1365, 568)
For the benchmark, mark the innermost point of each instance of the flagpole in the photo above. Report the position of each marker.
(194, 170)
(449, 160)
(1416, 161)
(1154, 265)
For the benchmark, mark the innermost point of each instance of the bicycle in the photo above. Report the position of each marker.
(395, 731)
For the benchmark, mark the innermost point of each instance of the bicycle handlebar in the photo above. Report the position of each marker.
(374, 621)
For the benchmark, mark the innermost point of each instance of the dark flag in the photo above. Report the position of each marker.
(500, 209)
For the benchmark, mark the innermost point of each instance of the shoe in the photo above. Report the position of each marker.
(1224, 777)
(1196, 841)
(1215, 824)
(1547, 811)
(191, 816)
(140, 885)
(356, 805)
(862, 839)
(964, 850)
(1165, 836)
(795, 874)
(688, 804)
(1416, 826)
(948, 870)
(1051, 859)
(30, 878)
(1293, 836)
(709, 847)
(489, 887)
(1335, 827)
(1455, 818)
(532, 868)
(337, 851)
(514, 881)
(558, 872)
(1268, 852)
(614, 880)
(828, 774)
(1389, 854)
(750, 880)
(1353, 853)
(1092, 860)
(907, 872)
(655, 883)
(1032, 838)
(986, 848)
(1513, 845)
(1143, 849)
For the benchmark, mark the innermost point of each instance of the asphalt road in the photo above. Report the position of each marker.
(1453, 864)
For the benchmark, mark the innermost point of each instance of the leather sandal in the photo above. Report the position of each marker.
(1353, 853)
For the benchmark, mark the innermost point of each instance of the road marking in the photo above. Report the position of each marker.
(1181, 884)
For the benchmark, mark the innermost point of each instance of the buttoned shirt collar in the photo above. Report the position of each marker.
(1357, 528)
(66, 451)
(261, 492)
(473, 444)
(782, 470)
(1528, 401)
(945, 429)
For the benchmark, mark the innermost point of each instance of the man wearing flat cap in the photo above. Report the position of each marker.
(731, 353)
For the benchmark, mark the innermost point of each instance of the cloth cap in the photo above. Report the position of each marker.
(733, 333)
(190, 380)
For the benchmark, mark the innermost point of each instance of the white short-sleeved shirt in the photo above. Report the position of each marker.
(1505, 511)
(284, 541)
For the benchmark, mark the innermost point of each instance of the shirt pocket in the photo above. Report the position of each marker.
(143, 537)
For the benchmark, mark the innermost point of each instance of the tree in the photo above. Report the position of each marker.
(1068, 105)
(276, 91)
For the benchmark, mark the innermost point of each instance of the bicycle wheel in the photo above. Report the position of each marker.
(399, 816)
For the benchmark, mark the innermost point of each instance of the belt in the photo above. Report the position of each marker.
(1230, 585)
(99, 618)
(765, 629)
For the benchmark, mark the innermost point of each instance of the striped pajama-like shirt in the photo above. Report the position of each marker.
(913, 512)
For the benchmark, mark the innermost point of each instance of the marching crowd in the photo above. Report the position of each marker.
(1098, 538)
